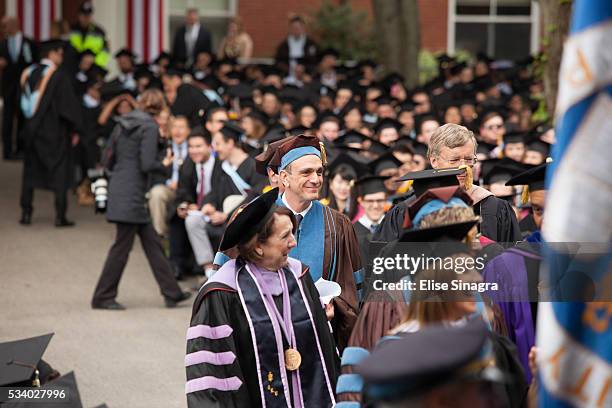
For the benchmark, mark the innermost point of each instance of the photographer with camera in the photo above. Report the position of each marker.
(134, 150)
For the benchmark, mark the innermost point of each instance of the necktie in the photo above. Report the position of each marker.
(201, 192)
(373, 227)
(298, 220)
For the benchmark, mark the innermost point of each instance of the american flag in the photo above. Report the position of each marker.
(35, 16)
(145, 28)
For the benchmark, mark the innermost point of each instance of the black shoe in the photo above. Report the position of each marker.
(108, 305)
(26, 218)
(63, 222)
(170, 302)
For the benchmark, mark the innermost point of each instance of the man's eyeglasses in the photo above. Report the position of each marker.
(470, 161)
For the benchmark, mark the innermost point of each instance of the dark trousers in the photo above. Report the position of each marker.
(61, 200)
(116, 260)
(181, 254)
(10, 113)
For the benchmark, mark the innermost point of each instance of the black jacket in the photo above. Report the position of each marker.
(12, 72)
(179, 47)
(310, 52)
(135, 156)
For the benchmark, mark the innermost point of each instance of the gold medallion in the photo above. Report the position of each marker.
(293, 359)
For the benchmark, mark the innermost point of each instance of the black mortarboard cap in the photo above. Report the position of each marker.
(514, 137)
(501, 170)
(87, 52)
(19, 358)
(384, 162)
(298, 130)
(534, 178)
(66, 382)
(540, 147)
(419, 362)
(249, 221)
(241, 90)
(387, 123)
(262, 160)
(370, 185)
(432, 178)
(125, 52)
(356, 168)
(51, 45)
(174, 71)
(352, 136)
(259, 115)
(232, 130)
(329, 51)
(162, 55)
(383, 100)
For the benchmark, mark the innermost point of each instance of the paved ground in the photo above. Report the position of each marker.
(129, 359)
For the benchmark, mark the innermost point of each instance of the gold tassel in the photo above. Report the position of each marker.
(525, 195)
(324, 201)
(36, 381)
(323, 153)
(405, 187)
(469, 176)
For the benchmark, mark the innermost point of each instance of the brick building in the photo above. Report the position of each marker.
(502, 28)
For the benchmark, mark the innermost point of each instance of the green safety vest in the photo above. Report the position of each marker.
(92, 41)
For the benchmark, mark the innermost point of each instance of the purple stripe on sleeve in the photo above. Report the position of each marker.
(209, 382)
(204, 356)
(208, 332)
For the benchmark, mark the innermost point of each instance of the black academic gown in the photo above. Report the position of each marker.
(218, 306)
(498, 221)
(224, 186)
(47, 134)
(190, 102)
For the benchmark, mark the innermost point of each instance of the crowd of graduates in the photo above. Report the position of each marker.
(265, 182)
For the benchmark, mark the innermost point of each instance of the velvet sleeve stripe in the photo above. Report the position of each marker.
(209, 382)
(348, 404)
(204, 356)
(209, 332)
(353, 355)
(349, 383)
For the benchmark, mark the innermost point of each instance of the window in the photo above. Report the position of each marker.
(503, 29)
(214, 14)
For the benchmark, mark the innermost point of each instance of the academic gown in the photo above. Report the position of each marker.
(190, 102)
(498, 220)
(224, 364)
(327, 243)
(47, 134)
(224, 186)
(364, 236)
(516, 271)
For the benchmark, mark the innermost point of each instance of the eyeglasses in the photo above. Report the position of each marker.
(470, 161)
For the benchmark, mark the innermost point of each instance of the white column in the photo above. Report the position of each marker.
(111, 15)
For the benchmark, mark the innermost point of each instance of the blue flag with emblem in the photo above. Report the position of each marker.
(574, 332)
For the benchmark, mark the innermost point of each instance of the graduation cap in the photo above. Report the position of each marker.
(259, 115)
(295, 148)
(110, 90)
(432, 178)
(367, 63)
(249, 220)
(329, 51)
(383, 99)
(19, 359)
(242, 91)
(349, 107)
(86, 52)
(386, 123)
(501, 170)
(172, 71)
(51, 45)
(371, 185)
(298, 130)
(350, 165)
(533, 178)
(125, 52)
(539, 146)
(262, 160)
(514, 137)
(435, 355)
(271, 70)
(232, 130)
(350, 137)
(162, 56)
(269, 89)
(384, 162)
